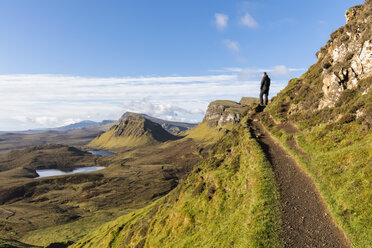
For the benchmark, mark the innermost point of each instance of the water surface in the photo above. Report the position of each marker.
(102, 153)
(55, 172)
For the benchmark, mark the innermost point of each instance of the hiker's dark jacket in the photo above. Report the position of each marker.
(265, 83)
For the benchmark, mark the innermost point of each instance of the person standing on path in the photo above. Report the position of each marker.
(265, 86)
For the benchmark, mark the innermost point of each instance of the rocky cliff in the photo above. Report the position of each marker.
(347, 57)
(325, 117)
(222, 112)
(173, 127)
(337, 87)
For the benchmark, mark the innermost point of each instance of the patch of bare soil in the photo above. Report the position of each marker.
(306, 220)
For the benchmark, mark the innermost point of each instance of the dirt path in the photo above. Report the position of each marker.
(306, 220)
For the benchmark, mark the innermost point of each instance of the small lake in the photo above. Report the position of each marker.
(55, 172)
(102, 153)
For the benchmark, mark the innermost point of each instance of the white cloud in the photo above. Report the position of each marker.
(221, 21)
(232, 45)
(248, 21)
(21, 118)
(38, 101)
(46, 120)
(166, 110)
(69, 121)
(281, 70)
(249, 74)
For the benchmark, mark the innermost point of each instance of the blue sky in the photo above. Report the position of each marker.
(73, 55)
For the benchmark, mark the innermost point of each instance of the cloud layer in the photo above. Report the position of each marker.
(232, 45)
(220, 21)
(248, 21)
(38, 101)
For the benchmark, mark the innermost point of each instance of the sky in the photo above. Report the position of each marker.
(66, 61)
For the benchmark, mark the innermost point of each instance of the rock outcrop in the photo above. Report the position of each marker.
(172, 127)
(222, 112)
(347, 57)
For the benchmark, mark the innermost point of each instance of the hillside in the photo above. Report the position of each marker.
(331, 106)
(296, 175)
(133, 131)
(65, 208)
(172, 127)
(67, 136)
(230, 193)
(45, 157)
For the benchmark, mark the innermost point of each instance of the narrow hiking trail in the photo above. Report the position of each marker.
(306, 220)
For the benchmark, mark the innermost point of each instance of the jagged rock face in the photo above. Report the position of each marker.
(347, 57)
(172, 127)
(220, 113)
(134, 125)
(131, 125)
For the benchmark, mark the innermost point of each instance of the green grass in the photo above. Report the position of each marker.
(343, 175)
(204, 133)
(7, 243)
(230, 106)
(109, 141)
(341, 163)
(227, 103)
(70, 231)
(229, 200)
(339, 148)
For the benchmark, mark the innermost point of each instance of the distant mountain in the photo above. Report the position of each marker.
(78, 136)
(83, 124)
(133, 130)
(173, 127)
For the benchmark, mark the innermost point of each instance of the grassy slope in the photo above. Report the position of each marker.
(7, 243)
(230, 106)
(229, 200)
(339, 145)
(109, 141)
(203, 133)
(70, 231)
(132, 180)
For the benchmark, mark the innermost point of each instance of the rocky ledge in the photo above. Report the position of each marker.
(222, 112)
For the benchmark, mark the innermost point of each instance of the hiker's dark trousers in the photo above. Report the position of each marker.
(266, 93)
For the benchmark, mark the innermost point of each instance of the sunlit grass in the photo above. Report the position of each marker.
(230, 199)
(339, 148)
